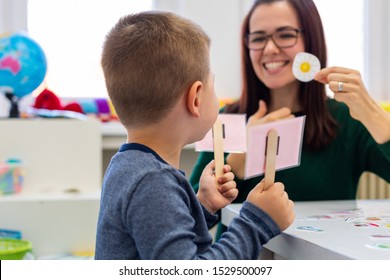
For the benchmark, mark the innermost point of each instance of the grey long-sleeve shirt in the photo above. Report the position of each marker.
(149, 211)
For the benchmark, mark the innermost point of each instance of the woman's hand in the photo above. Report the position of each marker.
(349, 88)
(261, 116)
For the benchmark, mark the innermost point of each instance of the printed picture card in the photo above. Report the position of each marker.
(234, 135)
(290, 133)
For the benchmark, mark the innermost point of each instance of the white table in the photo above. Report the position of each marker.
(348, 231)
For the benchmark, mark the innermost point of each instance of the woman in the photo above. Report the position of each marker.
(344, 136)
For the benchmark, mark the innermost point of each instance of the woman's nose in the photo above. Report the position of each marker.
(271, 47)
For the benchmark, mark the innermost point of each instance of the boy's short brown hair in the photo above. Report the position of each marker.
(149, 59)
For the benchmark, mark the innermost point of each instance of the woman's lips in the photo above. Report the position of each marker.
(275, 65)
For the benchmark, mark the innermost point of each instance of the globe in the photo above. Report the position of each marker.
(22, 64)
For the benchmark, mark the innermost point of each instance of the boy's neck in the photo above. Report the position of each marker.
(162, 141)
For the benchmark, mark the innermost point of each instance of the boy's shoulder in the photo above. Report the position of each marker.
(136, 164)
(130, 162)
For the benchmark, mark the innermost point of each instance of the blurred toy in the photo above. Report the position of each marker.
(48, 104)
(11, 176)
(50, 101)
(103, 107)
(22, 68)
(385, 105)
(74, 107)
(7, 233)
(47, 100)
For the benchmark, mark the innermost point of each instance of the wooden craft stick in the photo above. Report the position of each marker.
(218, 148)
(270, 158)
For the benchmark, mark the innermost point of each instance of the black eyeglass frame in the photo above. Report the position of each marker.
(270, 36)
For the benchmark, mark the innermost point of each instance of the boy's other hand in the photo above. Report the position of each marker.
(275, 202)
(215, 194)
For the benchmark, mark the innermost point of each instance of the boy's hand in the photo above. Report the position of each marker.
(215, 195)
(275, 202)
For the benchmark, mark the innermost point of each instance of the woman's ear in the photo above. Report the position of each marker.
(193, 98)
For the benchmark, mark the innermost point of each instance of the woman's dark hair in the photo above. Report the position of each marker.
(320, 127)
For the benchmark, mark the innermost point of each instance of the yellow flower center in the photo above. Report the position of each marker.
(305, 67)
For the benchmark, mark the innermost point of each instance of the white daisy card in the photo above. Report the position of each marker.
(290, 135)
(305, 66)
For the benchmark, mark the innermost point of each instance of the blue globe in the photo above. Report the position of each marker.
(22, 64)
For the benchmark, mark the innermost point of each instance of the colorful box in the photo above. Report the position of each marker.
(11, 177)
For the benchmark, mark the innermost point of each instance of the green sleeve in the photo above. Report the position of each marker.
(385, 148)
(355, 146)
(373, 157)
(203, 159)
(379, 161)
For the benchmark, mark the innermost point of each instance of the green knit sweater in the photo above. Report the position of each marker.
(330, 174)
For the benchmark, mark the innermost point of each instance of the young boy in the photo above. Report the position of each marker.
(157, 72)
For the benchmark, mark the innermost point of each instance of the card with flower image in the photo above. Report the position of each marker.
(305, 66)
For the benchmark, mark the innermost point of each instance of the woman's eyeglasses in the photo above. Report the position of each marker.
(282, 39)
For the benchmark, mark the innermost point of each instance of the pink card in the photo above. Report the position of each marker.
(234, 138)
(290, 134)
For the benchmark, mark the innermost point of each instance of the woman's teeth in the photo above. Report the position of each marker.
(273, 65)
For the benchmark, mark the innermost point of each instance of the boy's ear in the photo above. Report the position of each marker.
(193, 98)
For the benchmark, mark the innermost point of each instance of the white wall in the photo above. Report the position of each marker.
(13, 15)
(377, 40)
(222, 21)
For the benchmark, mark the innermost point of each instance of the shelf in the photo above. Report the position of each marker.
(50, 196)
(114, 135)
(113, 129)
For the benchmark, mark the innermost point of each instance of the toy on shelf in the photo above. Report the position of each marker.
(22, 68)
(385, 105)
(11, 176)
(48, 104)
